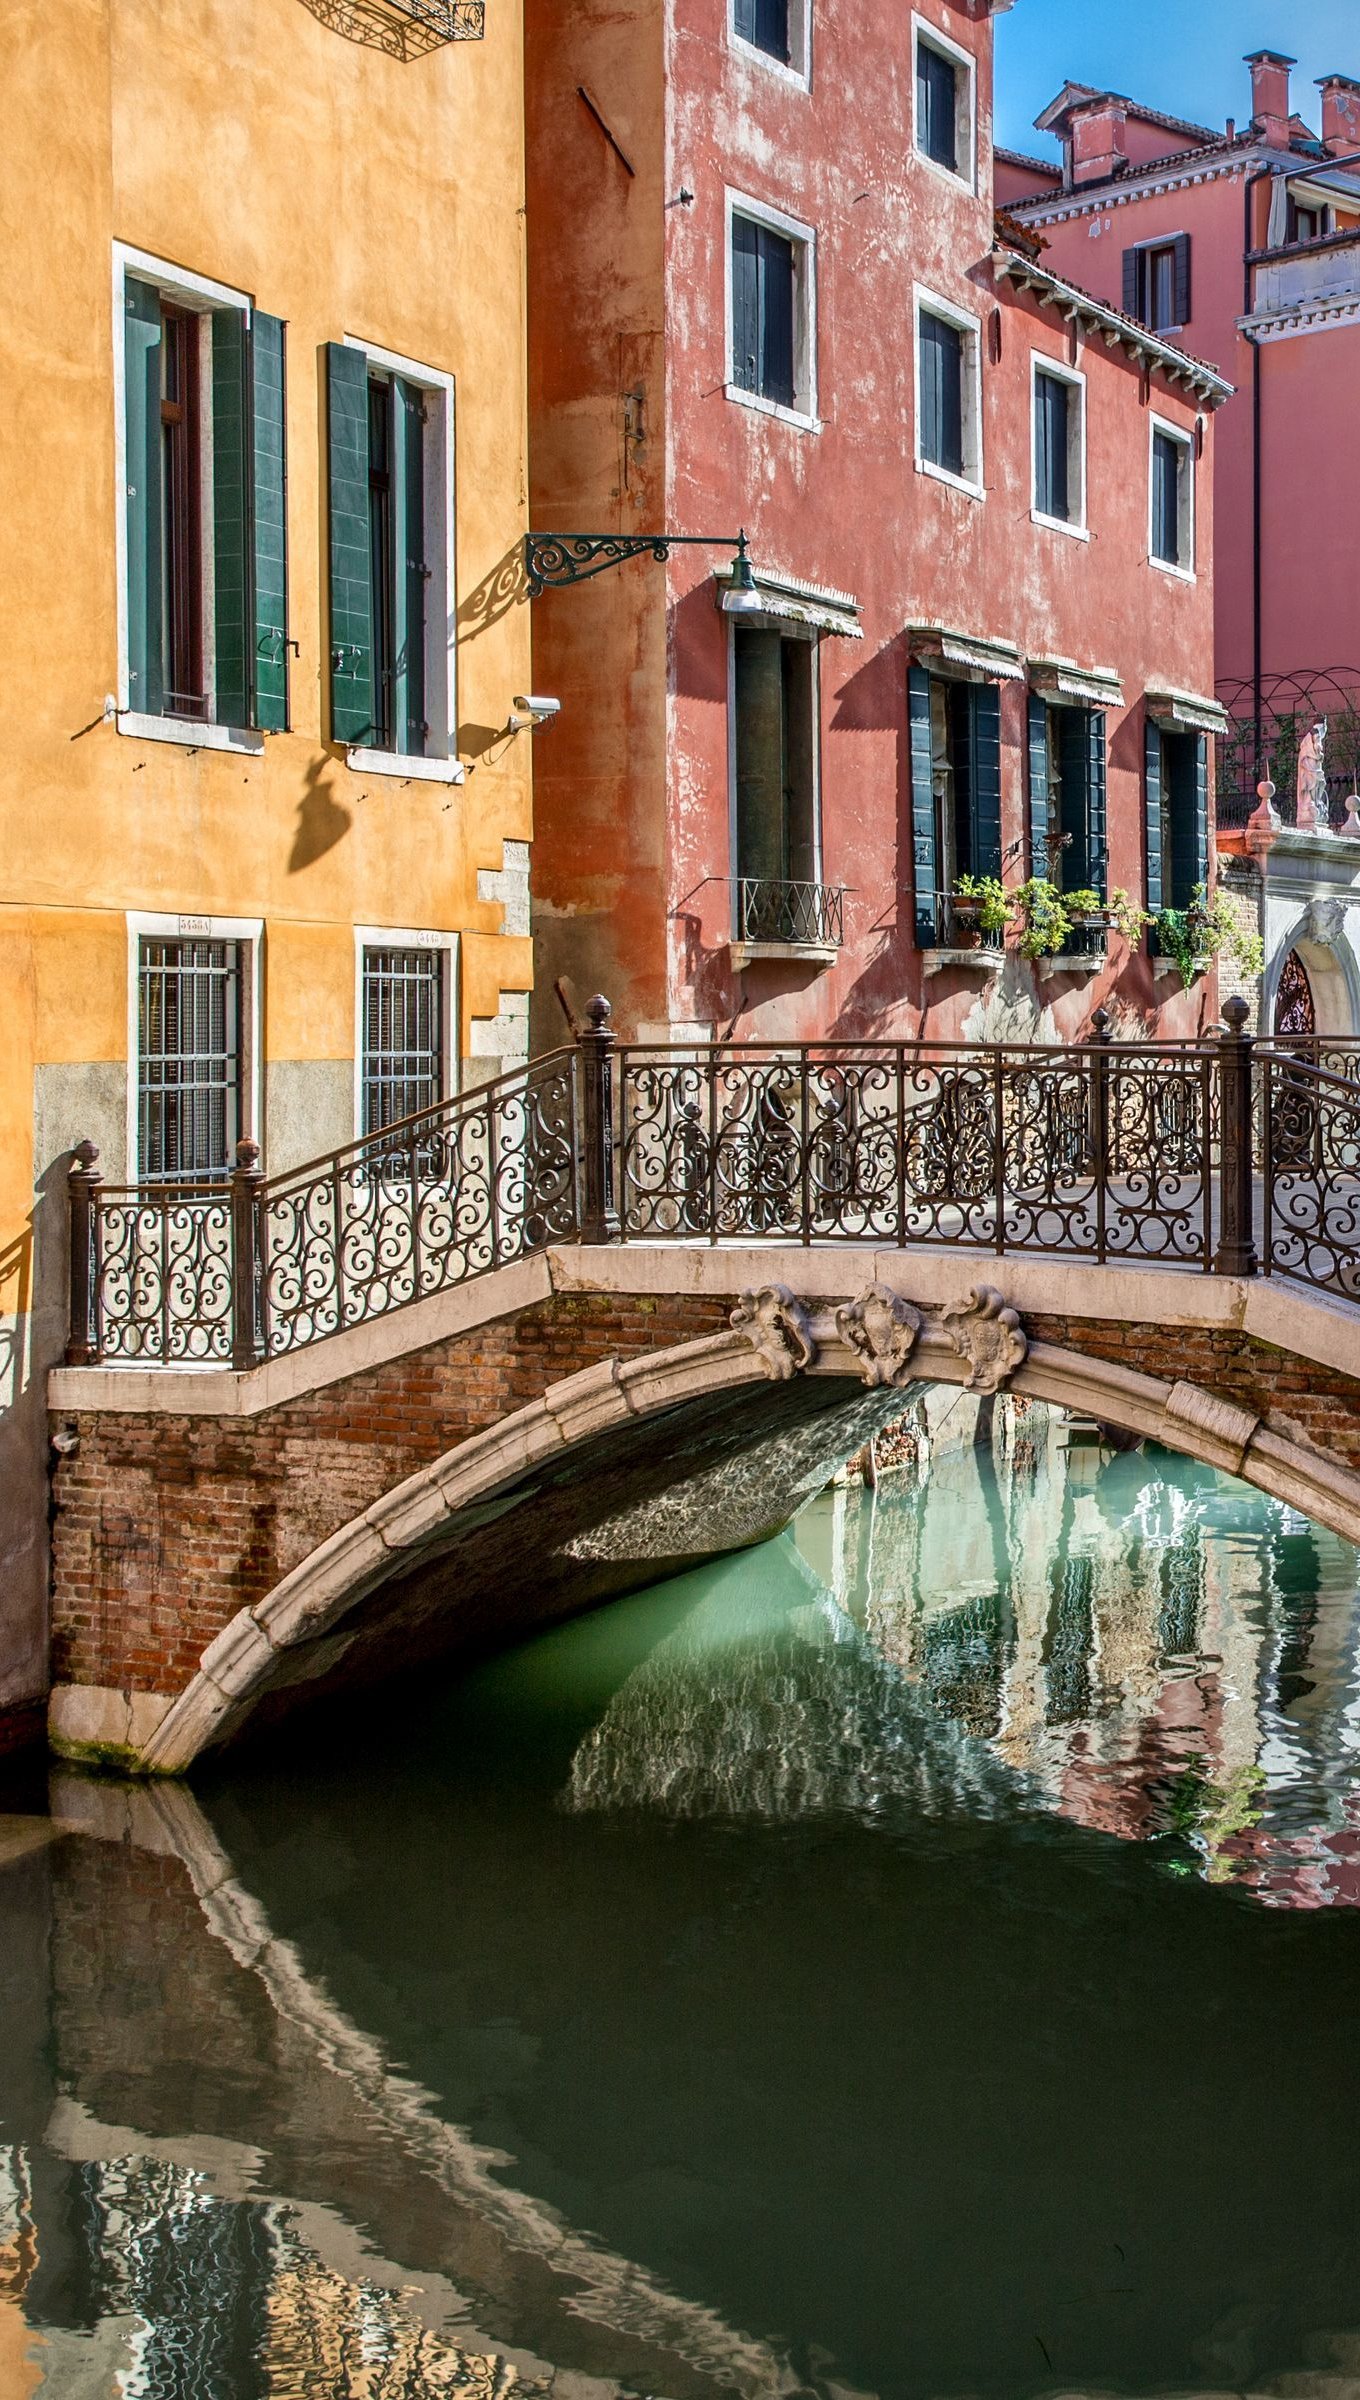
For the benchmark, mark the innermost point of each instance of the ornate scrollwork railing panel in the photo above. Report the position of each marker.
(162, 1276)
(424, 1206)
(1312, 1175)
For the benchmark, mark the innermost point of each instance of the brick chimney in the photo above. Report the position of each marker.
(1270, 96)
(1340, 115)
(1099, 137)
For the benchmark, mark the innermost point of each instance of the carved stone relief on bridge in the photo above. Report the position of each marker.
(883, 1330)
(778, 1329)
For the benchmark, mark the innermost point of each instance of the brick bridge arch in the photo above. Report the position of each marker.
(584, 1423)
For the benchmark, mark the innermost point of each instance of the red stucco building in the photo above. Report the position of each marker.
(767, 289)
(1245, 245)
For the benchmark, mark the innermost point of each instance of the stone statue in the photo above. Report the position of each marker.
(1312, 779)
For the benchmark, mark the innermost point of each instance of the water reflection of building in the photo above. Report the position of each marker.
(1031, 1622)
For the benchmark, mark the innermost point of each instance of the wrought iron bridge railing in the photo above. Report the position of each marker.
(1225, 1156)
(810, 914)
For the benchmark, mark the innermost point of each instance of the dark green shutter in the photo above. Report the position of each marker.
(351, 589)
(745, 306)
(1152, 800)
(984, 776)
(1038, 785)
(408, 579)
(1201, 806)
(142, 383)
(1097, 840)
(269, 559)
(924, 837)
(1181, 247)
(232, 614)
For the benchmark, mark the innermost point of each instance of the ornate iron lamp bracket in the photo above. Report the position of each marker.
(552, 561)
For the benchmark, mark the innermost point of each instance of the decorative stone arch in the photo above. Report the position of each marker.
(1319, 937)
(880, 1345)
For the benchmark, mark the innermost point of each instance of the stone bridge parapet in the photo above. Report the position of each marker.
(583, 1422)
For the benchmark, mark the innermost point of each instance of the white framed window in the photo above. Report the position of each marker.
(193, 1020)
(778, 33)
(948, 393)
(393, 571)
(1058, 408)
(771, 312)
(944, 111)
(1171, 499)
(406, 1023)
(200, 530)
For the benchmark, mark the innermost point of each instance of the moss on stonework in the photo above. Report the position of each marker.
(101, 1758)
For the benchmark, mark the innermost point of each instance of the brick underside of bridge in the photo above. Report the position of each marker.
(166, 1526)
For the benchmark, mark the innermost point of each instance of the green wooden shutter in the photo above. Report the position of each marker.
(269, 523)
(1038, 785)
(1152, 799)
(409, 584)
(351, 588)
(1097, 837)
(1201, 808)
(142, 386)
(924, 837)
(232, 611)
(984, 776)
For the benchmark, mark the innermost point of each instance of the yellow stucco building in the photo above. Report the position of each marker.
(262, 409)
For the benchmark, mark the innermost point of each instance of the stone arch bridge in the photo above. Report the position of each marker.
(625, 1312)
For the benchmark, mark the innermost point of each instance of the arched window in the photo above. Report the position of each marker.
(1295, 1012)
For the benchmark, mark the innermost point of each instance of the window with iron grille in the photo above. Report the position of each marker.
(403, 1035)
(189, 1059)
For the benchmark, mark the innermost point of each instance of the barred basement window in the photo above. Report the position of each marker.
(189, 1003)
(403, 1035)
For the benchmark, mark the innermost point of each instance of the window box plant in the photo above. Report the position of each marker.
(1045, 925)
(978, 904)
(1192, 938)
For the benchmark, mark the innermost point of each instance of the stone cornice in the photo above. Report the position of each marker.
(1119, 331)
(1099, 201)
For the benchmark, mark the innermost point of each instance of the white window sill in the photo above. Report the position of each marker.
(753, 55)
(1074, 532)
(1165, 567)
(774, 408)
(956, 483)
(1068, 962)
(188, 735)
(964, 185)
(411, 770)
(794, 954)
(980, 961)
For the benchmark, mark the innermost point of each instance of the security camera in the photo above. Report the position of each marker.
(531, 708)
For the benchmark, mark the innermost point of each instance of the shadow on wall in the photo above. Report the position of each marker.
(874, 700)
(388, 26)
(322, 822)
(504, 588)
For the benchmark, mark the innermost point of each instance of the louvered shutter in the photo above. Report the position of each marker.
(941, 372)
(1052, 400)
(1181, 247)
(924, 835)
(233, 609)
(984, 777)
(1133, 283)
(142, 422)
(744, 19)
(1152, 805)
(745, 306)
(776, 317)
(1200, 826)
(408, 580)
(1038, 785)
(351, 589)
(1097, 837)
(269, 523)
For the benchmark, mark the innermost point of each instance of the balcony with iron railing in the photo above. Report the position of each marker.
(774, 914)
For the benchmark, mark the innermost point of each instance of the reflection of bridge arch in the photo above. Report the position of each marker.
(627, 1472)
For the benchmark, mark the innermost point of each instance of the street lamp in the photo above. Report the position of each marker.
(553, 561)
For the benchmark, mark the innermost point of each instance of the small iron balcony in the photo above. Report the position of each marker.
(796, 915)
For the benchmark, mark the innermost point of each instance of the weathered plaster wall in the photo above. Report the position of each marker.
(348, 192)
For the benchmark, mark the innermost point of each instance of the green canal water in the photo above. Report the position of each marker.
(920, 1958)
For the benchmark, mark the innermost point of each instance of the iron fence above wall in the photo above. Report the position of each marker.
(1265, 736)
(1222, 1156)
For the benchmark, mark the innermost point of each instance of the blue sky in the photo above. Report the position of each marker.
(1184, 56)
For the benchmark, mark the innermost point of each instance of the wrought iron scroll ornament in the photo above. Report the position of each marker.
(555, 561)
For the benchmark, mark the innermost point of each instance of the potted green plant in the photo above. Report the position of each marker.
(1192, 938)
(1084, 907)
(1045, 923)
(1125, 917)
(978, 904)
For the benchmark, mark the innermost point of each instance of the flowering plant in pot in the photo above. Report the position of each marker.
(979, 904)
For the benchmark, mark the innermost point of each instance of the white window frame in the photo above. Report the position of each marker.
(963, 178)
(1185, 496)
(249, 932)
(440, 764)
(772, 622)
(933, 304)
(803, 414)
(1042, 362)
(408, 937)
(201, 294)
(799, 69)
